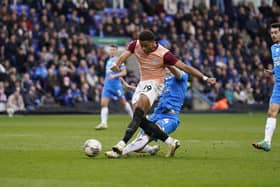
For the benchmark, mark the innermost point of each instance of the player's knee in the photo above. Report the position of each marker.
(272, 111)
(104, 103)
(143, 103)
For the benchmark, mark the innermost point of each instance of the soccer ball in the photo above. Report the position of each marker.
(92, 147)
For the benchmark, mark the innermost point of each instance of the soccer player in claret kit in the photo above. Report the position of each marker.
(113, 88)
(274, 103)
(165, 115)
(152, 58)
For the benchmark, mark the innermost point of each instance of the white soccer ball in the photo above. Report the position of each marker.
(92, 147)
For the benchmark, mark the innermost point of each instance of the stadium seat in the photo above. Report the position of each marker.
(150, 18)
(19, 8)
(98, 18)
(110, 11)
(167, 19)
(92, 31)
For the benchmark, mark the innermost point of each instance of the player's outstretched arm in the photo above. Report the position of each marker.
(175, 71)
(123, 57)
(126, 85)
(194, 72)
(122, 73)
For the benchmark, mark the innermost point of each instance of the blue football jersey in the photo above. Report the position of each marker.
(275, 53)
(113, 83)
(173, 94)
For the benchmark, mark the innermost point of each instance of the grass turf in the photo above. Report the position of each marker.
(45, 151)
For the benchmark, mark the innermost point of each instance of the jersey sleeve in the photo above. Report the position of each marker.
(169, 58)
(131, 46)
(184, 76)
(122, 66)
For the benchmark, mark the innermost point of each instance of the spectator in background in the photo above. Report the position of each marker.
(73, 95)
(3, 97)
(41, 71)
(239, 94)
(31, 99)
(92, 80)
(259, 96)
(229, 93)
(170, 6)
(48, 99)
(15, 103)
(84, 93)
(249, 94)
(26, 82)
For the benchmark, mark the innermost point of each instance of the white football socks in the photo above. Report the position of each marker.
(128, 109)
(147, 149)
(168, 141)
(269, 129)
(136, 145)
(104, 115)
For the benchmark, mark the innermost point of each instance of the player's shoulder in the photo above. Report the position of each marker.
(162, 48)
(274, 46)
(132, 45)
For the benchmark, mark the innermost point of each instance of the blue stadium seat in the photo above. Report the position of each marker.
(98, 18)
(122, 11)
(150, 18)
(110, 11)
(35, 45)
(92, 31)
(167, 19)
(19, 8)
(69, 17)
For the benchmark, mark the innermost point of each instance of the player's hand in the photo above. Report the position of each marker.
(115, 68)
(112, 76)
(211, 81)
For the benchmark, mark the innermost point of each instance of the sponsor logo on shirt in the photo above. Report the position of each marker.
(155, 61)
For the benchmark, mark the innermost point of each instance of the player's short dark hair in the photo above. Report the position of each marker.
(146, 35)
(114, 46)
(275, 25)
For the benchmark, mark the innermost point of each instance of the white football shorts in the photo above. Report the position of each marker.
(152, 89)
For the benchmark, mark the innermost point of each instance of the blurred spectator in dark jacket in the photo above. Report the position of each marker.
(48, 99)
(31, 99)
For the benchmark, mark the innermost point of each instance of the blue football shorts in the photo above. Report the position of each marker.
(114, 94)
(275, 97)
(168, 122)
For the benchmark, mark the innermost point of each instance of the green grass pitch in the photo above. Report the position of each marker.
(216, 151)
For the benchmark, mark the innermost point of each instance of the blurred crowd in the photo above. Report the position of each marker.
(48, 57)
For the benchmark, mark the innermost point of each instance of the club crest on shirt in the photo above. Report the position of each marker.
(155, 61)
